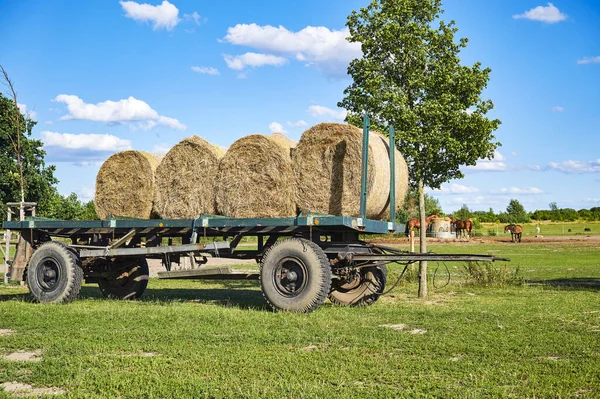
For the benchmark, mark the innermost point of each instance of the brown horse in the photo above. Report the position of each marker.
(515, 231)
(462, 227)
(416, 223)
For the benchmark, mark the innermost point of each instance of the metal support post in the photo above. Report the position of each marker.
(365, 168)
(392, 175)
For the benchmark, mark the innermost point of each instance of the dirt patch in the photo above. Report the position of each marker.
(22, 390)
(592, 239)
(6, 331)
(24, 356)
(141, 354)
(309, 348)
(417, 331)
(397, 327)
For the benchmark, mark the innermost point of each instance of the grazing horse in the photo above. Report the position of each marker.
(515, 231)
(461, 226)
(412, 223)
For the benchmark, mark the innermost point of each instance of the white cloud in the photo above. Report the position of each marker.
(161, 148)
(127, 110)
(576, 166)
(557, 109)
(495, 164)
(469, 200)
(454, 188)
(48, 123)
(23, 109)
(193, 16)
(86, 194)
(319, 111)
(318, 45)
(589, 60)
(514, 154)
(549, 14)
(300, 123)
(276, 127)
(519, 191)
(239, 62)
(164, 16)
(206, 70)
(93, 142)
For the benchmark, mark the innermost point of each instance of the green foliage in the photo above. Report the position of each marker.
(516, 212)
(492, 233)
(485, 217)
(68, 208)
(410, 77)
(490, 274)
(38, 177)
(410, 208)
(463, 214)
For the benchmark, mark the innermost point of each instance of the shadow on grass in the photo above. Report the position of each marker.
(579, 283)
(240, 294)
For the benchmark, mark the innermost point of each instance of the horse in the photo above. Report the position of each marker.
(515, 231)
(412, 223)
(468, 227)
(459, 226)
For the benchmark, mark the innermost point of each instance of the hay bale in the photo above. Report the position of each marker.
(328, 166)
(125, 185)
(255, 180)
(283, 140)
(401, 177)
(186, 180)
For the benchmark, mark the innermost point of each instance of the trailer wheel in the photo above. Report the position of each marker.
(54, 273)
(295, 275)
(364, 290)
(127, 279)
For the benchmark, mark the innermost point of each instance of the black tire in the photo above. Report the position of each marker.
(363, 291)
(54, 273)
(127, 279)
(295, 276)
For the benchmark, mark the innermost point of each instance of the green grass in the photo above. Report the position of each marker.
(548, 228)
(218, 340)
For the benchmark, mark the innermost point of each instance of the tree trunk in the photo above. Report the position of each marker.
(422, 243)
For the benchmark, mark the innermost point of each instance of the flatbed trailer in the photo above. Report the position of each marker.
(303, 260)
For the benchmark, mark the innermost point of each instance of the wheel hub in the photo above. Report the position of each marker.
(49, 274)
(290, 277)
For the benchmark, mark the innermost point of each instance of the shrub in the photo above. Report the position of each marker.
(489, 274)
(492, 232)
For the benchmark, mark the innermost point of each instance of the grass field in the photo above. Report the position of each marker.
(548, 228)
(198, 339)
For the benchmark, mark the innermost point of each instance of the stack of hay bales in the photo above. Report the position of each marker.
(255, 179)
(126, 186)
(327, 165)
(186, 180)
(258, 176)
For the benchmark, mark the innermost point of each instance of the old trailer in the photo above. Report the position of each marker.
(303, 260)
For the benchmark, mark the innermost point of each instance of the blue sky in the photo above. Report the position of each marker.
(102, 76)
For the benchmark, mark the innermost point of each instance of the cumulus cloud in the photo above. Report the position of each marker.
(557, 109)
(193, 17)
(300, 123)
(573, 167)
(548, 14)
(497, 163)
(23, 109)
(206, 70)
(127, 110)
(161, 148)
(83, 149)
(454, 189)
(275, 127)
(319, 111)
(327, 49)
(86, 194)
(239, 62)
(164, 16)
(589, 60)
(94, 142)
(519, 191)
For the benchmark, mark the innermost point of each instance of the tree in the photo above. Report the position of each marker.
(410, 77)
(516, 212)
(23, 173)
(410, 207)
(463, 214)
(69, 207)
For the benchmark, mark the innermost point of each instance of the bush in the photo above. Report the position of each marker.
(489, 274)
(492, 232)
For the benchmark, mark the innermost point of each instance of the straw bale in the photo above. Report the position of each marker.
(328, 166)
(125, 185)
(284, 141)
(186, 179)
(255, 180)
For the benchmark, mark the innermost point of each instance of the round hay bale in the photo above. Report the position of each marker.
(186, 178)
(255, 179)
(125, 185)
(328, 166)
(401, 177)
(283, 140)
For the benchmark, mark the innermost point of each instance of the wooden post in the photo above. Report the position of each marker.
(412, 240)
(7, 246)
